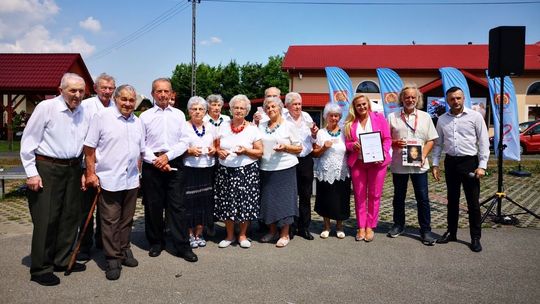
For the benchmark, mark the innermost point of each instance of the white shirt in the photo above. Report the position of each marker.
(332, 164)
(366, 129)
(206, 141)
(93, 105)
(464, 134)
(286, 133)
(304, 129)
(229, 141)
(424, 131)
(53, 130)
(222, 118)
(165, 131)
(120, 143)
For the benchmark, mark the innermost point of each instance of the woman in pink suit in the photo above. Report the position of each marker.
(367, 178)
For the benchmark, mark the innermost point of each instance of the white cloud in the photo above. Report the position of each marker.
(91, 24)
(211, 41)
(38, 39)
(23, 29)
(18, 16)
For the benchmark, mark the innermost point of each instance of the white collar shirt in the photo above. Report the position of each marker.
(93, 105)
(303, 124)
(464, 134)
(417, 125)
(119, 144)
(53, 130)
(222, 118)
(165, 131)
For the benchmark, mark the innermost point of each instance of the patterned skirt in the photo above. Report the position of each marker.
(237, 194)
(199, 196)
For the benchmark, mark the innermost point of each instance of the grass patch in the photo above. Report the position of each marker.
(4, 146)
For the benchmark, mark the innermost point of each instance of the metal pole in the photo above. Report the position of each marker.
(193, 46)
(501, 149)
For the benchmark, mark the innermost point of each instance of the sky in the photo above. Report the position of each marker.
(138, 41)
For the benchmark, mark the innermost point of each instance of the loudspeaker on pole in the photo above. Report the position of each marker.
(506, 51)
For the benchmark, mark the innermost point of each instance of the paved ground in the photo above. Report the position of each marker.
(385, 271)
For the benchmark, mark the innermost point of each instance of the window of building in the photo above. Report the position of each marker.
(534, 89)
(367, 86)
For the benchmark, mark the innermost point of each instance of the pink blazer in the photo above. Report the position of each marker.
(378, 123)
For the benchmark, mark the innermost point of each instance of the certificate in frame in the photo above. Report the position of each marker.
(372, 150)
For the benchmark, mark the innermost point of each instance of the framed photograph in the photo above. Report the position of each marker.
(412, 153)
(372, 150)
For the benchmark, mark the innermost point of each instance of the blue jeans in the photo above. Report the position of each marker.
(420, 186)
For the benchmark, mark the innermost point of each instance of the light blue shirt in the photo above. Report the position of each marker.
(464, 134)
(119, 144)
(53, 130)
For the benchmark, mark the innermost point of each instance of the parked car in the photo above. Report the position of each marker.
(529, 137)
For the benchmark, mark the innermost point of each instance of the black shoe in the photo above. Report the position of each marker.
(155, 250)
(447, 237)
(77, 267)
(305, 234)
(188, 255)
(475, 245)
(46, 279)
(114, 269)
(395, 231)
(427, 238)
(129, 260)
(83, 255)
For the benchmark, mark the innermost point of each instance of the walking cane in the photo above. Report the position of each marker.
(81, 236)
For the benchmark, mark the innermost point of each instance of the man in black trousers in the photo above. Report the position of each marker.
(463, 137)
(162, 173)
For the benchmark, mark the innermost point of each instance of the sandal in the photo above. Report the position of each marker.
(369, 235)
(360, 235)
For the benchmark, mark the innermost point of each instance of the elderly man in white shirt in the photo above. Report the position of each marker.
(463, 137)
(307, 130)
(162, 173)
(113, 149)
(51, 149)
(104, 85)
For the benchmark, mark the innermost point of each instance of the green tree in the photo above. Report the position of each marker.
(273, 76)
(181, 83)
(230, 80)
(251, 80)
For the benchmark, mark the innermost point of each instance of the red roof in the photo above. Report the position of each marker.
(40, 72)
(408, 57)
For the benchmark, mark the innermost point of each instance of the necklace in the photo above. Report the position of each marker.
(272, 130)
(239, 129)
(218, 123)
(197, 131)
(334, 134)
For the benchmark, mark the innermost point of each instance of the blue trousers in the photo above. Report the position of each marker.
(420, 186)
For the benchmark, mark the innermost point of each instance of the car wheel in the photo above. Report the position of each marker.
(522, 150)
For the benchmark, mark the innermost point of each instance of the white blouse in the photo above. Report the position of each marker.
(230, 141)
(332, 164)
(204, 142)
(286, 133)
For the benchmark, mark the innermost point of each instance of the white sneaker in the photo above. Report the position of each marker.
(225, 243)
(245, 243)
(325, 234)
(340, 234)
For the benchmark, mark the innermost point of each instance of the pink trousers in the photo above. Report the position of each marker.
(368, 182)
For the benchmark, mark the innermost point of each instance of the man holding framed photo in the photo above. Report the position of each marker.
(413, 134)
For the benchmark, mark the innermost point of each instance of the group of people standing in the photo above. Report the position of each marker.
(213, 167)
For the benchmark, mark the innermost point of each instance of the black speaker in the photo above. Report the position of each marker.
(506, 51)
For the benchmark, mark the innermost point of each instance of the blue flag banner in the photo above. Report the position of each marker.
(391, 85)
(452, 77)
(340, 89)
(510, 116)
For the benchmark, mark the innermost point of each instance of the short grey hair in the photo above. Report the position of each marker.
(197, 100)
(273, 99)
(125, 87)
(161, 79)
(239, 98)
(292, 96)
(332, 108)
(270, 88)
(419, 96)
(214, 98)
(70, 76)
(104, 76)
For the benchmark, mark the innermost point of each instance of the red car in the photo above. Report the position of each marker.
(529, 138)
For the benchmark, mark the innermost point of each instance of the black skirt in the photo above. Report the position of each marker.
(199, 195)
(333, 200)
